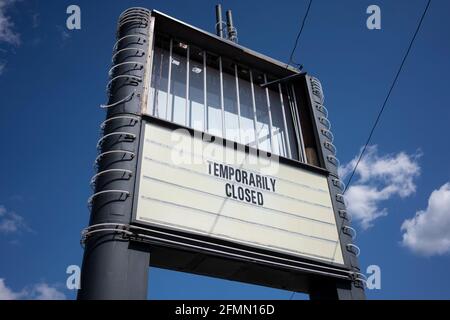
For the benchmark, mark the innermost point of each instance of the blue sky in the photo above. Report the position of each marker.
(52, 81)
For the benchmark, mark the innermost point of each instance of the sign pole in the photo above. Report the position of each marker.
(113, 267)
(334, 289)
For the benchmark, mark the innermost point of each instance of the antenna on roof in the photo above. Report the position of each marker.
(231, 30)
(219, 21)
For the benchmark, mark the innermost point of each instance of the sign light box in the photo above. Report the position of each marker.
(221, 192)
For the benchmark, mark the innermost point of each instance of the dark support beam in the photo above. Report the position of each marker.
(334, 290)
(114, 267)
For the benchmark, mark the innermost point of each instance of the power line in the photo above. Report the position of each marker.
(299, 34)
(388, 95)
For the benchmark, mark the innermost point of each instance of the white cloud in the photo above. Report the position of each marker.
(11, 222)
(2, 67)
(8, 294)
(40, 291)
(377, 179)
(428, 232)
(7, 32)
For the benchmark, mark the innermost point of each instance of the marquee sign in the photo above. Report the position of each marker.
(204, 188)
(169, 192)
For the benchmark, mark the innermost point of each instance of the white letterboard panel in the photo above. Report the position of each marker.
(207, 189)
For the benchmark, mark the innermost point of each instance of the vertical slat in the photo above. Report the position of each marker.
(205, 111)
(298, 115)
(187, 111)
(296, 124)
(168, 81)
(238, 102)
(285, 123)
(270, 116)
(221, 97)
(254, 109)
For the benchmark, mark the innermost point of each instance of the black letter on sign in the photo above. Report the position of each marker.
(227, 190)
(260, 199)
